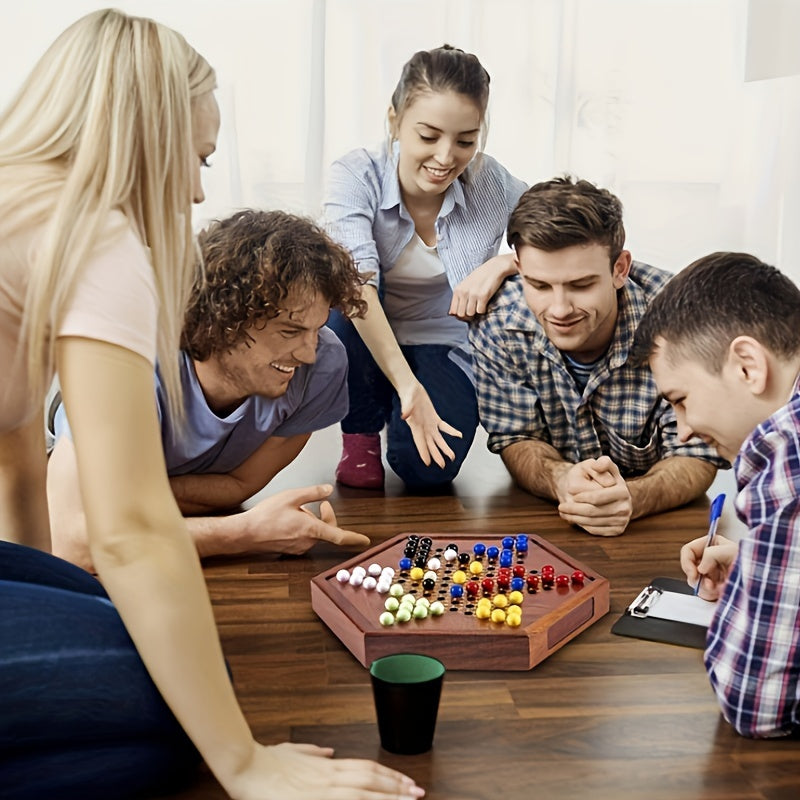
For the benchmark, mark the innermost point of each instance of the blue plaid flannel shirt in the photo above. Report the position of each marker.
(525, 390)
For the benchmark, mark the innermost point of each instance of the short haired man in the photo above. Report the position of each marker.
(260, 373)
(572, 421)
(723, 342)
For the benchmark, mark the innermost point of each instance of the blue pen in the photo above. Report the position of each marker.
(716, 513)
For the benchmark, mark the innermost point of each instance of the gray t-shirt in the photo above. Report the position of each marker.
(316, 398)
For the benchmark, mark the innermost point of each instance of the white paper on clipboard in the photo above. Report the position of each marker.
(682, 608)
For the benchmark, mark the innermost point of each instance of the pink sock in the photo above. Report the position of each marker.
(360, 465)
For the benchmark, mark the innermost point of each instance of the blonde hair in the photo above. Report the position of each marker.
(104, 122)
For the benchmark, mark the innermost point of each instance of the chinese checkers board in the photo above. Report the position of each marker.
(495, 603)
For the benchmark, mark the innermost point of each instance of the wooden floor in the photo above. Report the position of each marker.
(604, 717)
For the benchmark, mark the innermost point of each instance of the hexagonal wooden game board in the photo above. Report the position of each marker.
(551, 616)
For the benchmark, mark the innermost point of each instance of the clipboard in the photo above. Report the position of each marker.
(638, 622)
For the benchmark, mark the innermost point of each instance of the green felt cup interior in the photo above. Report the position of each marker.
(406, 668)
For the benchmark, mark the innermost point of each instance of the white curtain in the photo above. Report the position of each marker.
(649, 98)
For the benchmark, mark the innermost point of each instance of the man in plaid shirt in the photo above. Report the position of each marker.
(723, 343)
(571, 419)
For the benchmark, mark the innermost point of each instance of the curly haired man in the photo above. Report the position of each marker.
(260, 373)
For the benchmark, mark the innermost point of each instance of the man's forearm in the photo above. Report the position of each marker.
(207, 494)
(536, 466)
(213, 535)
(210, 493)
(670, 483)
(225, 535)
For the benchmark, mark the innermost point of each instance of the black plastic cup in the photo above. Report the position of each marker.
(406, 688)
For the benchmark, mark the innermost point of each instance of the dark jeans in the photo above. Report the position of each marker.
(79, 715)
(374, 403)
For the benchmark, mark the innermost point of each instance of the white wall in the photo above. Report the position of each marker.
(772, 50)
(646, 97)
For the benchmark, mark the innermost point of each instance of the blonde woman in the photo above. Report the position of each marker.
(100, 158)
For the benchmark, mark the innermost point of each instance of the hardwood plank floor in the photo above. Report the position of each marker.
(605, 716)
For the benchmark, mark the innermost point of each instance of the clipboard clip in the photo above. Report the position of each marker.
(644, 602)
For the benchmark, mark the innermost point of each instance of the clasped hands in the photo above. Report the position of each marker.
(593, 495)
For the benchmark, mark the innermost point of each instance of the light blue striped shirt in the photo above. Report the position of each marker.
(364, 211)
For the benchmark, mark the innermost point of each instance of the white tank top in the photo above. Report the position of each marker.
(417, 297)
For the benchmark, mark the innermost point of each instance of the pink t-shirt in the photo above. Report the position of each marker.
(114, 301)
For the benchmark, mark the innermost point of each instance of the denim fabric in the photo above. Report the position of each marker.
(374, 404)
(79, 715)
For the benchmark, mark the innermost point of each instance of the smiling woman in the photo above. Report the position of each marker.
(424, 216)
(437, 136)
